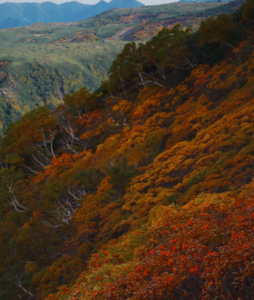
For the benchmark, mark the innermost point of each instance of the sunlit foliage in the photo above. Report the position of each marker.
(142, 189)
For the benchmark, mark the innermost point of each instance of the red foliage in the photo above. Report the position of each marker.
(204, 253)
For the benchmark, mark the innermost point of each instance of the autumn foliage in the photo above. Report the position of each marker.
(203, 250)
(142, 189)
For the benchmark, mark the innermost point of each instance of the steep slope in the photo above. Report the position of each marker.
(143, 23)
(144, 188)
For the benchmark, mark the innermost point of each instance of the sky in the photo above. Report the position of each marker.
(146, 2)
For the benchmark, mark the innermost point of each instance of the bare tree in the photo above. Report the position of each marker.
(69, 140)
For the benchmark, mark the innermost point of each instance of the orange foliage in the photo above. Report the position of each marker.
(136, 185)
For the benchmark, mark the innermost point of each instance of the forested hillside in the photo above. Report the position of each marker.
(142, 189)
(41, 63)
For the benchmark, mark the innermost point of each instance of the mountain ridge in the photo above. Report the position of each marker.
(24, 14)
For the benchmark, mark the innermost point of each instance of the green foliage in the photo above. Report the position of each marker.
(42, 73)
(217, 30)
(121, 174)
(8, 177)
(89, 179)
(44, 83)
(81, 102)
(196, 179)
(172, 199)
(248, 12)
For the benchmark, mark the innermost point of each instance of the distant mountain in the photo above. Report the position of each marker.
(24, 14)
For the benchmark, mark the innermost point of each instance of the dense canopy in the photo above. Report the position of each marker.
(142, 189)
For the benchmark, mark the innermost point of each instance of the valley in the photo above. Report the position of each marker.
(63, 57)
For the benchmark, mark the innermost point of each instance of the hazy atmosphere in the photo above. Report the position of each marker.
(146, 2)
